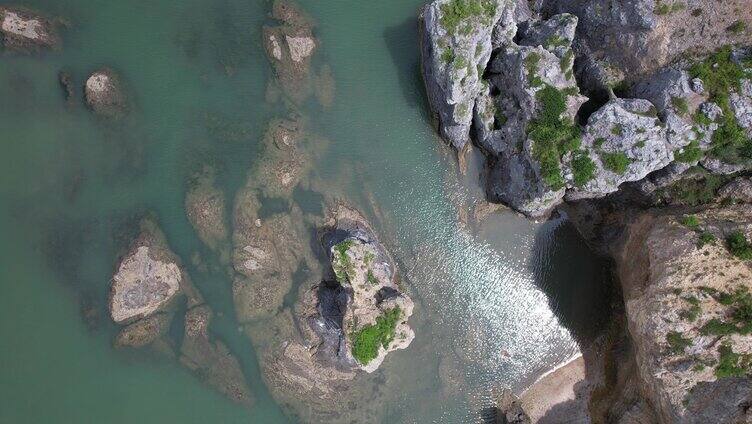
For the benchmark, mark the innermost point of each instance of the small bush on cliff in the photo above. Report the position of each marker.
(553, 136)
(739, 246)
(456, 11)
(731, 364)
(680, 104)
(721, 75)
(341, 263)
(690, 221)
(689, 153)
(367, 340)
(616, 162)
(676, 342)
(583, 168)
(705, 238)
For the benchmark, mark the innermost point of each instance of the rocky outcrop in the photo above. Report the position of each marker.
(323, 351)
(456, 46)
(205, 208)
(365, 301)
(289, 47)
(25, 31)
(148, 278)
(104, 94)
(686, 284)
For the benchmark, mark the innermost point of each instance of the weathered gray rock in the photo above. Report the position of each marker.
(741, 104)
(105, 95)
(25, 31)
(289, 47)
(518, 76)
(740, 190)
(628, 131)
(455, 49)
(148, 278)
(211, 360)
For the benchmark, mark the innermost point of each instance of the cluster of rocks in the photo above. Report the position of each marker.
(514, 77)
(149, 288)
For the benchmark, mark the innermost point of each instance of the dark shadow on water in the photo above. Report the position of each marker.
(405, 53)
(575, 280)
(309, 201)
(271, 206)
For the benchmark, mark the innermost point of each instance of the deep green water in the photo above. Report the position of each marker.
(498, 303)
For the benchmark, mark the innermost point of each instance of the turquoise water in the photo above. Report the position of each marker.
(498, 302)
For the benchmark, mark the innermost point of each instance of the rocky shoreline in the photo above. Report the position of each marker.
(624, 118)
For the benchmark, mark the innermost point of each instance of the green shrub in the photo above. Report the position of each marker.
(695, 191)
(730, 363)
(720, 75)
(662, 9)
(676, 342)
(341, 263)
(705, 238)
(616, 162)
(566, 61)
(583, 168)
(367, 340)
(680, 104)
(689, 153)
(371, 278)
(456, 11)
(531, 65)
(447, 55)
(737, 27)
(739, 246)
(598, 143)
(617, 130)
(690, 221)
(717, 327)
(552, 135)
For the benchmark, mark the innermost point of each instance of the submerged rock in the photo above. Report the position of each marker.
(205, 208)
(211, 360)
(145, 331)
(104, 94)
(25, 31)
(290, 46)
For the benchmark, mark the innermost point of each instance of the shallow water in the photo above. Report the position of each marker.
(498, 302)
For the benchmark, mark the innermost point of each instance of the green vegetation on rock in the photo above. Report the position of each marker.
(531, 66)
(695, 190)
(690, 221)
(341, 263)
(616, 162)
(676, 342)
(681, 105)
(737, 27)
(457, 11)
(689, 153)
(721, 75)
(583, 168)
(731, 364)
(739, 246)
(705, 238)
(553, 136)
(367, 340)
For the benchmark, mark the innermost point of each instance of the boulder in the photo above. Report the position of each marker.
(104, 94)
(456, 43)
(25, 31)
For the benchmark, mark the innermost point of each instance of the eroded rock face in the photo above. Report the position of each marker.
(104, 94)
(686, 296)
(456, 47)
(290, 46)
(148, 277)
(631, 39)
(25, 31)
